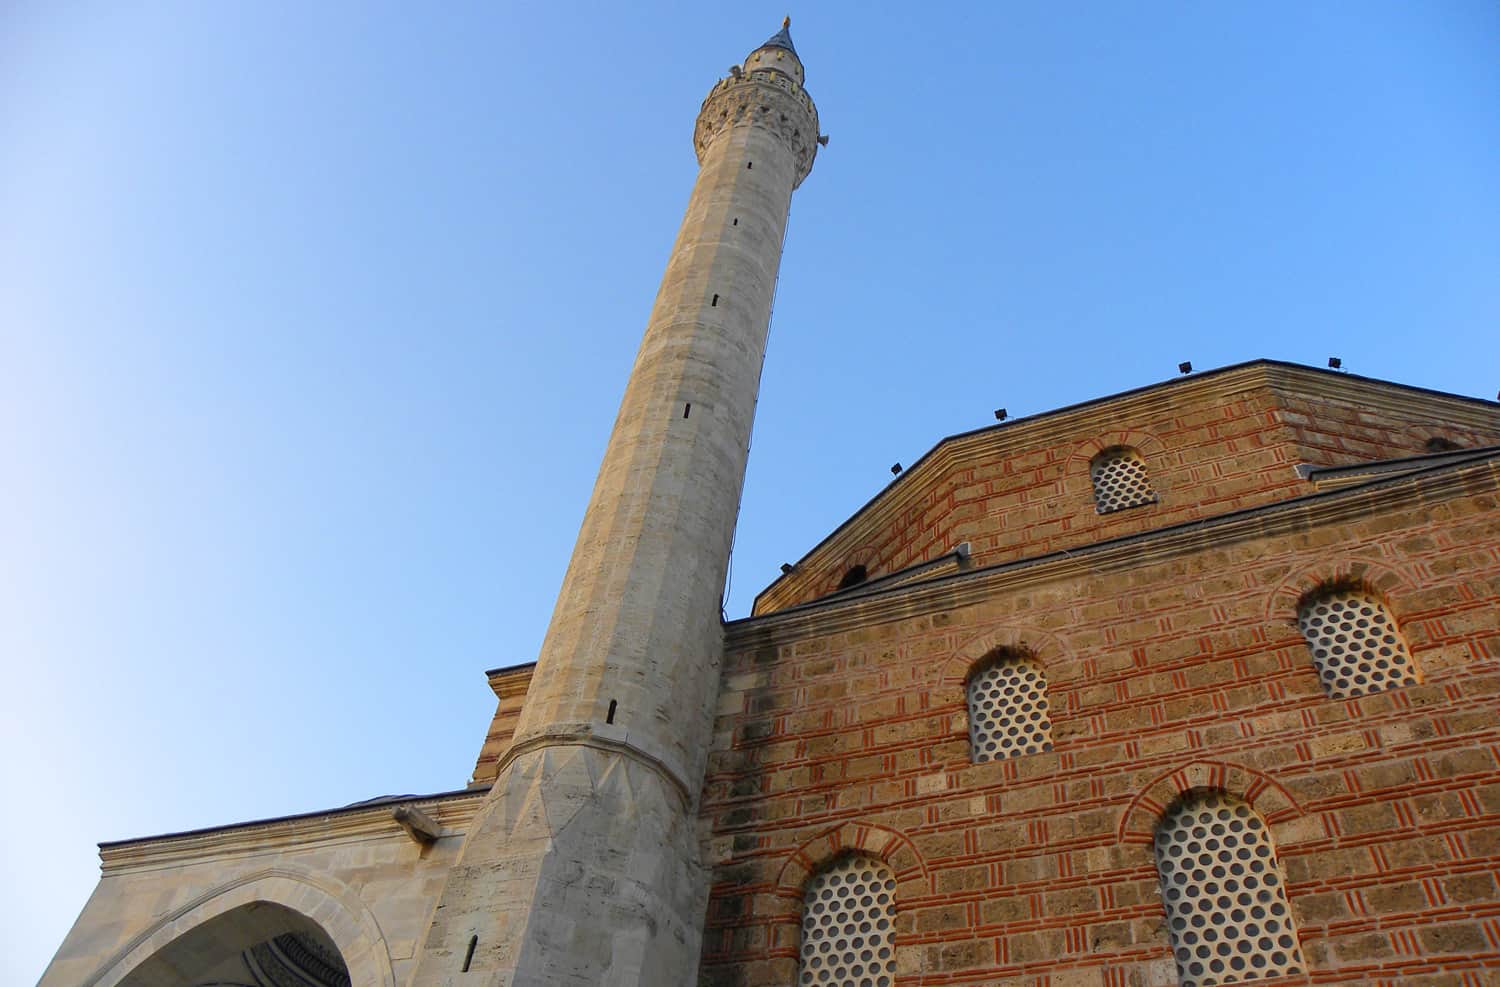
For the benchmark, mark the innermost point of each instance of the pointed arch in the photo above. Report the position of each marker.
(1260, 791)
(1146, 443)
(1361, 571)
(898, 852)
(316, 900)
(1040, 645)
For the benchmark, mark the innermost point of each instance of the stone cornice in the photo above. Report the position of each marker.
(1107, 413)
(1477, 475)
(765, 99)
(357, 823)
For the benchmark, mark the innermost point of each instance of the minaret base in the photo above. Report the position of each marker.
(581, 871)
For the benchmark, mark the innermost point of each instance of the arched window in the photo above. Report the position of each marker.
(1120, 480)
(849, 925)
(1008, 711)
(1227, 912)
(1355, 643)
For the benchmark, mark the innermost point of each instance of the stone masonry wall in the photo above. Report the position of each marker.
(1174, 664)
(355, 873)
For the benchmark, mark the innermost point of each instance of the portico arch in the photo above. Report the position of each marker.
(225, 922)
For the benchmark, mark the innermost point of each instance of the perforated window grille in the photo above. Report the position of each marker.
(1355, 644)
(848, 925)
(1008, 712)
(1120, 480)
(1226, 907)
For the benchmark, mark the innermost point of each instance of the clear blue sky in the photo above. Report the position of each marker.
(314, 318)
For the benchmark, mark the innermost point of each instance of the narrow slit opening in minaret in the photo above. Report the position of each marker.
(610, 716)
(687, 409)
(749, 165)
(714, 303)
(469, 956)
(736, 221)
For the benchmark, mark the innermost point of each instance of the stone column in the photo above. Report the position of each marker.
(582, 868)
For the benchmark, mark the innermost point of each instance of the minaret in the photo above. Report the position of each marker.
(582, 868)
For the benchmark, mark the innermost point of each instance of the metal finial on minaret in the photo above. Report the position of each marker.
(582, 867)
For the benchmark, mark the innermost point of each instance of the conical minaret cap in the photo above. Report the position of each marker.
(777, 55)
(782, 38)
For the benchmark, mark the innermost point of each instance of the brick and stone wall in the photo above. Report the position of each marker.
(1222, 442)
(1339, 430)
(1174, 664)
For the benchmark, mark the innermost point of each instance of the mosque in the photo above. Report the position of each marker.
(1198, 683)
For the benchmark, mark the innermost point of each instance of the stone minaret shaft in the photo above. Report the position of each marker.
(583, 868)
